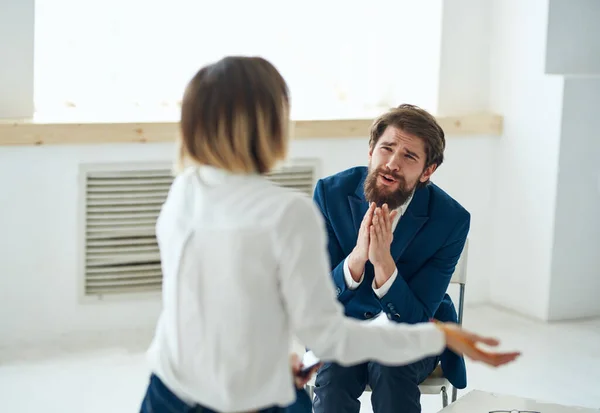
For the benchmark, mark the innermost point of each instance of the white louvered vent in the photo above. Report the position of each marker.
(120, 210)
(300, 177)
(121, 253)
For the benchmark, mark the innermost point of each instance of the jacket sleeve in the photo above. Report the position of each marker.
(418, 299)
(336, 255)
(317, 318)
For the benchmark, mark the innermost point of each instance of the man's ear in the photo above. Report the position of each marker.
(428, 172)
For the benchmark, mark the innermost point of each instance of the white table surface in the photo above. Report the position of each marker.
(478, 401)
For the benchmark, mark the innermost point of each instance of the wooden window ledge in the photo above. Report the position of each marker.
(28, 133)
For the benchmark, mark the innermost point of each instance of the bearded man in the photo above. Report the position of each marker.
(394, 239)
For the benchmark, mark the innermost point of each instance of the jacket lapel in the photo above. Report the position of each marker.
(358, 204)
(410, 223)
(359, 209)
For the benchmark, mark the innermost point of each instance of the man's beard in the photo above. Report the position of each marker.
(393, 198)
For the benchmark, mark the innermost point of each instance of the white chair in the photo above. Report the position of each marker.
(436, 383)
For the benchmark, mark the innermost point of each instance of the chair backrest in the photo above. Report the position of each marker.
(460, 272)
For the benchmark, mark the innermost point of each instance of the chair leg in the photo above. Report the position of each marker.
(444, 397)
(454, 394)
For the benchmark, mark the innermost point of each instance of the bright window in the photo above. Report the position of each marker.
(130, 59)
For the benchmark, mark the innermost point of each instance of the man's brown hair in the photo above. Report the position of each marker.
(235, 116)
(415, 121)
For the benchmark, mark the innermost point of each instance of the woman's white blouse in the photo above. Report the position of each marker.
(245, 268)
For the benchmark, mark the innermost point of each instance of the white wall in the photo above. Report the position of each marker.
(517, 187)
(464, 87)
(575, 275)
(16, 58)
(464, 75)
(527, 157)
(573, 37)
(545, 80)
(38, 243)
(573, 50)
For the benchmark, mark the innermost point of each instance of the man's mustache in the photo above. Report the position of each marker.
(385, 171)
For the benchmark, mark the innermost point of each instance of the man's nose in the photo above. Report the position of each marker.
(393, 164)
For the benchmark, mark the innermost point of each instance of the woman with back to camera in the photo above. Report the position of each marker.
(245, 263)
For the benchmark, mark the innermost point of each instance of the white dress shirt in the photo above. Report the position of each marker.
(245, 268)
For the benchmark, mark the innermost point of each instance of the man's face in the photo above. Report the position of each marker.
(396, 166)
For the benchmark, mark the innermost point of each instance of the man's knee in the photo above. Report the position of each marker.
(338, 388)
(408, 374)
(395, 388)
(350, 379)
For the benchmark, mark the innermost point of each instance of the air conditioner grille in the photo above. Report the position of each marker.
(297, 177)
(121, 208)
(121, 253)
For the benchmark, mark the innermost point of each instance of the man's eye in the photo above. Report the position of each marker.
(409, 156)
(387, 148)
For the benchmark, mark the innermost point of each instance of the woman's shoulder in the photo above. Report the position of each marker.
(290, 200)
(297, 210)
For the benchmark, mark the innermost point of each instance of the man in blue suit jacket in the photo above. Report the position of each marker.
(394, 239)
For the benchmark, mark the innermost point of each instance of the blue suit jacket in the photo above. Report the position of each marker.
(427, 244)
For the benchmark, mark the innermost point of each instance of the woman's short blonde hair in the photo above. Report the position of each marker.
(235, 116)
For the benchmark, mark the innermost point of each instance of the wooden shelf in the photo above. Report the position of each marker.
(30, 134)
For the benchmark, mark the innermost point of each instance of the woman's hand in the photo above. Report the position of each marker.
(465, 343)
(296, 364)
